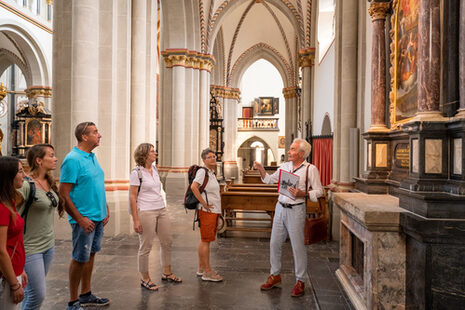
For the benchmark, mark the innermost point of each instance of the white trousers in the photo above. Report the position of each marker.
(289, 222)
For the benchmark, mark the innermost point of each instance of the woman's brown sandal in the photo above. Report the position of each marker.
(148, 285)
(170, 278)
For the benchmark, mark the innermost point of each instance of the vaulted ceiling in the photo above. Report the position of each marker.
(242, 28)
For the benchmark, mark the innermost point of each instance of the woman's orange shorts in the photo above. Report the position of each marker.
(208, 225)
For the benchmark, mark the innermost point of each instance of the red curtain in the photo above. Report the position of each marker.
(323, 158)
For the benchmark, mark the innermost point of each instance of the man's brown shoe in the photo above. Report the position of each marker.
(299, 289)
(271, 282)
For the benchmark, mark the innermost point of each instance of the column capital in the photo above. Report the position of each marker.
(39, 91)
(290, 92)
(378, 10)
(188, 59)
(307, 57)
(225, 92)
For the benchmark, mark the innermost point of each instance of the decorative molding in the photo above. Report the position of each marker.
(308, 20)
(233, 42)
(25, 17)
(283, 34)
(225, 92)
(307, 57)
(203, 32)
(264, 46)
(215, 16)
(188, 59)
(378, 10)
(17, 61)
(39, 91)
(288, 4)
(207, 27)
(298, 17)
(290, 92)
(301, 24)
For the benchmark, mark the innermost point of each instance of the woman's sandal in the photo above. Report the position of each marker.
(148, 285)
(170, 278)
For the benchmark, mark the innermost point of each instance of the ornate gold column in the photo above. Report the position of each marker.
(378, 12)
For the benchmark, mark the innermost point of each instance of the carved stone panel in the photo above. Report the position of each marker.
(433, 156)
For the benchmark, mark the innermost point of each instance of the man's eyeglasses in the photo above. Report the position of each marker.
(52, 199)
(211, 157)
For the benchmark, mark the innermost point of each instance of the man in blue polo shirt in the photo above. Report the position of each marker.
(83, 188)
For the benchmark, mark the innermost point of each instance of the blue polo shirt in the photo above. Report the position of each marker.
(88, 192)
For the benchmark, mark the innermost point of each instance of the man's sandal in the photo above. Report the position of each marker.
(170, 278)
(149, 285)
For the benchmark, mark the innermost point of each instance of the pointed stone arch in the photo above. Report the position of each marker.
(30, 58)
(245, 146)
(228, 6)
(254, 53)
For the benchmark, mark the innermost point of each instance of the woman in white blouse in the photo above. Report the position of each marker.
(149, 215)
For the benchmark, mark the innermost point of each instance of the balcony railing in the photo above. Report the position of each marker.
(251, 124)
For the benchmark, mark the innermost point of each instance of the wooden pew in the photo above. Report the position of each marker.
(251, 189)
(251, 176)
(248, 201)
(233, 202)
(254, 185)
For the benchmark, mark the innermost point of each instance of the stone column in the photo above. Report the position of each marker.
(306, 62)
(204, 102)
(231, 97)
(85, 60)
(378, 11)
(290, 97)
(138, 72)
(345, 116)
(461, 111)
(429, 55)
(184, 112)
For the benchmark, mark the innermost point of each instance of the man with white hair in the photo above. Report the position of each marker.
(289, 217)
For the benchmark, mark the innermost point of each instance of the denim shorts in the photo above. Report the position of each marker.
(84, 244)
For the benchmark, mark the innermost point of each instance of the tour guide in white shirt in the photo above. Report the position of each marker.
(289, 217)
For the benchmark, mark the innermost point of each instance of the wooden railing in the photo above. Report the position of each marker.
(250, 124)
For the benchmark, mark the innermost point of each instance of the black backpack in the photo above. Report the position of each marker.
(29, 201)
(190, 201)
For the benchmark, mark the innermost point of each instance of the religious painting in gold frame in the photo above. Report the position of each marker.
(34, 132)
(404, 47)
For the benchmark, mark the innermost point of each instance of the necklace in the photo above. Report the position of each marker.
(41, 185)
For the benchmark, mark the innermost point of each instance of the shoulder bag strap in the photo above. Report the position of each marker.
(204, 184)
(306, 182)
(139, 175)
(205, 181)
(29, 201)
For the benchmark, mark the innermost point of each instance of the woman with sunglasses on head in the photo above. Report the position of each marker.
(12, 275)
(39, 236)
(150, 216)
